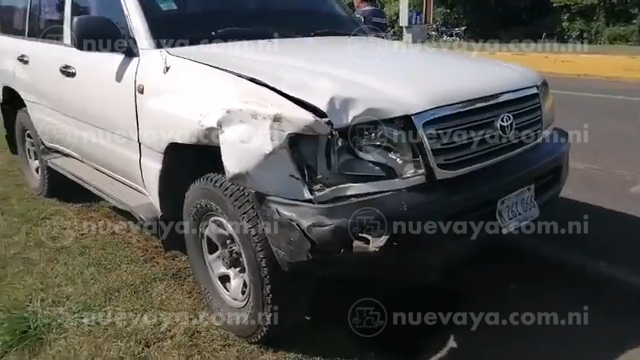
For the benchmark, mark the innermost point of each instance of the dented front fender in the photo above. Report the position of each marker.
(196, 104)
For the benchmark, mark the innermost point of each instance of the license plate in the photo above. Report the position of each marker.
(517, 209)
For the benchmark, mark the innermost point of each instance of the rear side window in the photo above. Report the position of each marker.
(46, 20)
(13, 17)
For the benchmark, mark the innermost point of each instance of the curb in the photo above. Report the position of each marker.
(575, 65)
(593, 77)
(520, 53)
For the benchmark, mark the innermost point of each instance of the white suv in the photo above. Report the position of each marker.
(273, 132)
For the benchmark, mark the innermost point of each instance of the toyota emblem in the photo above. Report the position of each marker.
(505, 125)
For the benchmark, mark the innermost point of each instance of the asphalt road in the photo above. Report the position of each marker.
(603, 186)
(605, 155)
(604, 181)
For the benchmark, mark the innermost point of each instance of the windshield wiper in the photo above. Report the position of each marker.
(248, 33)
(333, 32)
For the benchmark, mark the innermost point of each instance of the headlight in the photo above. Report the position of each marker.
(548, 106)
(371, 151)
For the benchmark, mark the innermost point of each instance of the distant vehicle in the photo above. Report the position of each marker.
(455, 34)
(438, 33)
(277, 132)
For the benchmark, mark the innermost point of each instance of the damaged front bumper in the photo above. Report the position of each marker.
(307, 230)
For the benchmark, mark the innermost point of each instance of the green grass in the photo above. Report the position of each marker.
(25, 330)
(70, 292)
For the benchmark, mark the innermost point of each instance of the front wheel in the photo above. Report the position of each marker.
(233, 262)
(41, 179)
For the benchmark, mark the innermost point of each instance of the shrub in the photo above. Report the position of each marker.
(621, 35)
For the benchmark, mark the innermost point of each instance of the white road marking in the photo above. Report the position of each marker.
(451, 344)
(618, 97)
(583, 166)
(628, 175)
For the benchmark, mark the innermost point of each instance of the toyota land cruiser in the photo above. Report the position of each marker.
(276, 131)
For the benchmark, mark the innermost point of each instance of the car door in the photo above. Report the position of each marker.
(97, 94)
(35, 72)
(13, 20)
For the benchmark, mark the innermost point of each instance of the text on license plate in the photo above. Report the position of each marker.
(517, 209)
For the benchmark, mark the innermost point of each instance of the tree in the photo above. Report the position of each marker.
(598, 21)
(592, 21)
(638, 24)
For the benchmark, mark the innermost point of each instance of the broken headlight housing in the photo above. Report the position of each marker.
(364, 152)
(548, 106)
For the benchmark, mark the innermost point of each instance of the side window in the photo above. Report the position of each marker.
(46, 20)
(111, 9)
(13, 17)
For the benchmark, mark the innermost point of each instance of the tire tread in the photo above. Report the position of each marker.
(243, 202)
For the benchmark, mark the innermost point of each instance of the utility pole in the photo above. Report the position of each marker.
(410, 32)
(428, 11)
(405, 24)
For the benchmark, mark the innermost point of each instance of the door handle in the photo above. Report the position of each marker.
(68, 71)
(24, 59)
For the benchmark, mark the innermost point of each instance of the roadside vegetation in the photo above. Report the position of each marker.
(62, 284)
(596, 22)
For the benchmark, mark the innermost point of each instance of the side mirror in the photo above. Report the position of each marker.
(99, 34)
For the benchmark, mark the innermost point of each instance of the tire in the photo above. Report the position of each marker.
(264, 314)
(43, 181)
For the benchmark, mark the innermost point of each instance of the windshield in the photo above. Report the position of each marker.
(191, 22)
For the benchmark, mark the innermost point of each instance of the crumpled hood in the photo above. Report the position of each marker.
(353, 78)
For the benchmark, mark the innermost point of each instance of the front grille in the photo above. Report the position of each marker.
(466, 138)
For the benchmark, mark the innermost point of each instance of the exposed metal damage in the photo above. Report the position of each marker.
(283, 155)
(255, 153)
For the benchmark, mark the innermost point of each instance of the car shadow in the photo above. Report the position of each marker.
(593, 231)
(501, 278)
(74, 193)
(77, 194)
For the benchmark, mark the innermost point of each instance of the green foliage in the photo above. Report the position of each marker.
(449, 17)
(598, 21)
(592, 21)
(22, 330)
(621, 35)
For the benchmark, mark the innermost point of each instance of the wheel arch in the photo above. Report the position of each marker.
(182, 165)
(11, 103)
